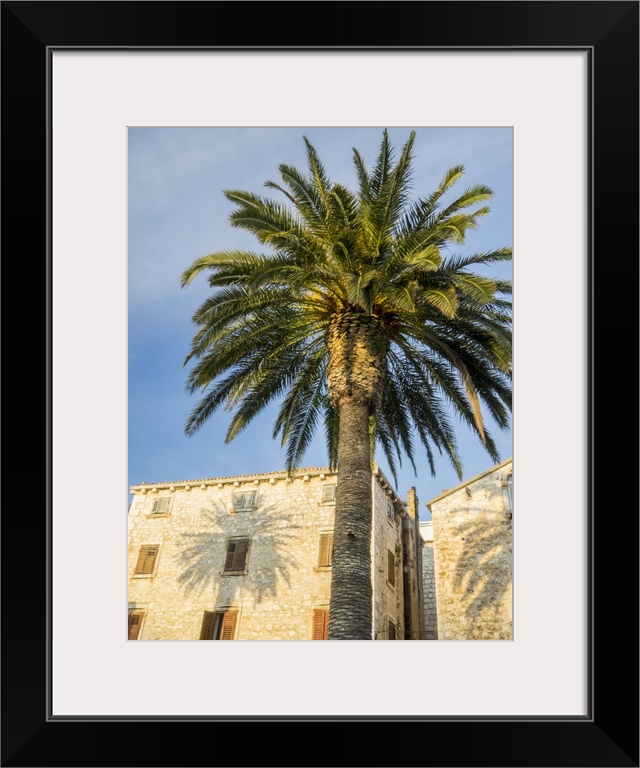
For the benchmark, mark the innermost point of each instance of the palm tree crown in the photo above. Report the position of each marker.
(358, 318)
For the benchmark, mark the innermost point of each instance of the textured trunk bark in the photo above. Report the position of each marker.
(357, 365)
(351, 608)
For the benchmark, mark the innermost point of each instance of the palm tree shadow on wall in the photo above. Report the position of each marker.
(270, 562)
(483, 573)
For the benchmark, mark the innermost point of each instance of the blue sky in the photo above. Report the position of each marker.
(177, 212)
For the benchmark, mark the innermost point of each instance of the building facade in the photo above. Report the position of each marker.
(249, 558)
(468, 559)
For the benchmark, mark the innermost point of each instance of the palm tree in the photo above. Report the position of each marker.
(358, 318)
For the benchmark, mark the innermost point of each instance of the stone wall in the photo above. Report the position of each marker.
(282, 583)
(412, 570)
(429, 583)
(388, 596)
(473, 553)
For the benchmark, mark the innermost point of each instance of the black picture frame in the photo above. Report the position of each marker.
(608, 736)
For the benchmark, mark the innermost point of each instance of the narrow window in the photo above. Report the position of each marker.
(147, 558)
(390, 511)
(391, 568)
(135, 622)
(236, 558)
(510, 493)
(392, 630)
(326, 549)
(320, 624)
(329, 493)
(245, 500)
(218, 625)
(160, 506)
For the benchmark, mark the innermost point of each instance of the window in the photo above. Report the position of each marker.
(135, 624)
(218, 625)
(510, 494)
(161, 506)
(329, 494)
(391, 631)
(391, 514)
(326, 550)
(320, 629)
(391, 568)
(147, 559)
(236, 558)
(244, 500)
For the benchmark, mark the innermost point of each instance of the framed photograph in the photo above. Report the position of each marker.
(564, 78)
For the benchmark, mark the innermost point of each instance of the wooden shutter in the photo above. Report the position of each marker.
(392, 630)
(146, 558)
(228, 625)
(326, 547)
(320, 629)
(208, 622)
(391, 568)
(135, 619)
(160, 506)
(236, 555)
(328, 492)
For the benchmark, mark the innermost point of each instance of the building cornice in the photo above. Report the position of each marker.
(475, 479)
(282, 475)
(256, 478)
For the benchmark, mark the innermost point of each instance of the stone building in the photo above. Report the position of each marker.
(249, 558)
(468, 559)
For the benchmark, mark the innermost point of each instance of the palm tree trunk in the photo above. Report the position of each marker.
(351, 609)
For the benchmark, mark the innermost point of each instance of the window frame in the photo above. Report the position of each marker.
(140, 614)
(326, 487)
(218, 623)
(391, 510)
(325, 535)
(234, 571)
(320, 623)
(391, 569)
(253, 493)
(166, 512)
(139, 571)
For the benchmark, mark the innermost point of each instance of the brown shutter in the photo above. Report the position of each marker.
(241, 555)
(134, 625)
(392, 631)
(208, 621)
(326, 546)
(236, 555)
(146, 558)
(391, 568)
(231, 553)
(228, 625)
(320, 624)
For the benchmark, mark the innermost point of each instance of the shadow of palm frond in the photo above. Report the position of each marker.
(270, 562)
(484, 568)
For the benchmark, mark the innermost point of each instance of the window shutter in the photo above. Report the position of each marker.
(208, 621)
(160, 506)
(320, 624)
(236, 555)
(146, 558)
(228, 625)
(241, 555)
(391, 568)
(326, 547)
(328, 492)
(231, 553)
(134, 626)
